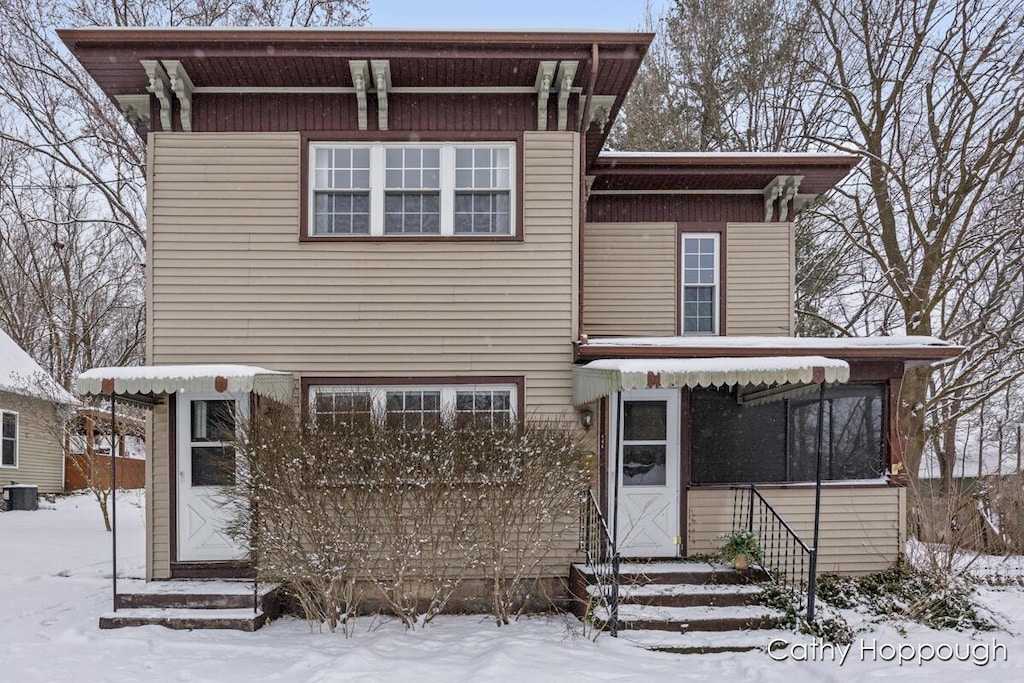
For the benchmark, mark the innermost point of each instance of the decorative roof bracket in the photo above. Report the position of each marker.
(789, 190)
(545, 79)
(135, 108)
(382, 80)
(782, 189)
(600, 111)
(566, 75)
(360, 81)
(159, 85)
(181, 84)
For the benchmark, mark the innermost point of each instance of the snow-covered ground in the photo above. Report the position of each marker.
(54, 584)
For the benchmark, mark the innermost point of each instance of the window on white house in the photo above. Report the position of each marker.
(700, 284)
(416, 407)
(399, 189)
(8, 439)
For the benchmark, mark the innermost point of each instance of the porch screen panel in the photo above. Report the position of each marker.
(852, 438)
(731, 443)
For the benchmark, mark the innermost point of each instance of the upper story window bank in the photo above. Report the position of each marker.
(402, 189)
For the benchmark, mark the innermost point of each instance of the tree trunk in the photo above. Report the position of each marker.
(912, 418)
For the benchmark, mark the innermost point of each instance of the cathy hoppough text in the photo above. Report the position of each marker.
(979, 653)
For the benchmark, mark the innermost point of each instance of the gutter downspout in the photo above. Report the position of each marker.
(584, 126)
(113, 497)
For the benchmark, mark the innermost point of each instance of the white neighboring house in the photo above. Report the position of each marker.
(33, 408)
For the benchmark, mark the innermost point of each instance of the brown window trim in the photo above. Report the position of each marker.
(722, 229)
(516, 380)
(343, 136)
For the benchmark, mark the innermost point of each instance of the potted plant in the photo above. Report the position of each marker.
(740, 547)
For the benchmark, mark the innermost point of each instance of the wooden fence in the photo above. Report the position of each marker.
(80, 470)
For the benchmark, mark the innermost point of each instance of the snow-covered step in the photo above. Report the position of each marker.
(193, 593)
(673, 573)
(700, 618)
(185, 619)
(706, 642)
(686, 594)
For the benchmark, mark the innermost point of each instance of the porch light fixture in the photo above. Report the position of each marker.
(587, 418)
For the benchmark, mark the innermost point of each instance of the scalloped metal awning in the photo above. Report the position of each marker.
(149, 384)
(762, 376)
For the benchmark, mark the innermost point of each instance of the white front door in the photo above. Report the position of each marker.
(648, 473)
(206, 424)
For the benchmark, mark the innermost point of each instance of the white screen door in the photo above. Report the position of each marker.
(648, 473)
(206, 424)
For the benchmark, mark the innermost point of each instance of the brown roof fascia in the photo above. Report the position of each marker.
(724, 161)
(927, 354)
(257, 39)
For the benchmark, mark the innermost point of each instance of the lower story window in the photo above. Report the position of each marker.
(777, 442)
(416, 407)
(8, 439)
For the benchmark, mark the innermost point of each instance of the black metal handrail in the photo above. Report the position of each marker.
(785, 558)
(601, 557)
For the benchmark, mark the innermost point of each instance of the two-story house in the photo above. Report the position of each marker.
(414, 222)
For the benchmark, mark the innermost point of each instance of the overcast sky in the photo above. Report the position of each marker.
(622, 15)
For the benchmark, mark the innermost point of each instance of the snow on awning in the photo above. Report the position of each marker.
(601, 378)
(148, 383)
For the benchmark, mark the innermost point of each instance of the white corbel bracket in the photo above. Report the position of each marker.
(382, 81)
(182, 87)
(566, 75)
(360, 81)
(782, 189)
(600, 111)
(545, 79)
(159, 85)
(789, 192)
(135, 108)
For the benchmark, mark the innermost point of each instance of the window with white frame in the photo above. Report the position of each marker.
(403, 189)
(700, 283)
(8, 439)
(417, 407)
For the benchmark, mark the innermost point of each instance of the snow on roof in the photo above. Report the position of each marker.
(773, 342)
(155, 380)
(603, 377)
(20, 374)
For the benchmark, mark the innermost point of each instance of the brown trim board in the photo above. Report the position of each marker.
(172, 466)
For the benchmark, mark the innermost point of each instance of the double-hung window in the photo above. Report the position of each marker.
(700, 284)
(416, 407)
(403, 189)
(8, 439)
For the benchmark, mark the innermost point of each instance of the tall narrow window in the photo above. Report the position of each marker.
(412, 195)
(9, 440)
(341, 191)
(482, 190)
(700, 284)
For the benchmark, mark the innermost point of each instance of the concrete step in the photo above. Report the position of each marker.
(678, 572)
(185, 619)
(686, 595)
(707, 642)
(687, 619)
(186, 594)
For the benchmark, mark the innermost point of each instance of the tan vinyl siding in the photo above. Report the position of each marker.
(232, 283)
(158, 498)
(629, 279)
(861, 527)
(759, 267)
(40, 456)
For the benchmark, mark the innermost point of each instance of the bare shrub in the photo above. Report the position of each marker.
(332, 506)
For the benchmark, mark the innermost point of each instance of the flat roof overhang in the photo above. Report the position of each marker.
(319, 58)
(637, 172)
